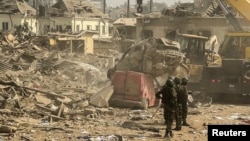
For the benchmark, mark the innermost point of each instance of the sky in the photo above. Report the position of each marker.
(115, 3)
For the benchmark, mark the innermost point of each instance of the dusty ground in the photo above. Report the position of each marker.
(112, 122)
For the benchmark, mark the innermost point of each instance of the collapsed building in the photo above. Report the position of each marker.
(48, 83)
(204, 17)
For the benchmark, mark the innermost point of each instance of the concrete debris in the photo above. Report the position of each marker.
(44, 89)
(101, 138)
(83, 8)
(193, 111)
(154, 56)
(136, 126)
(199, 9)
(39, 82)
(198, 99)
(101, 98)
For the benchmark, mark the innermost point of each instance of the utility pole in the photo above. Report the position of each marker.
(37, 14)
(104, 6)
(150, 5)
(139, 6)
(49, 17)
(128, 9)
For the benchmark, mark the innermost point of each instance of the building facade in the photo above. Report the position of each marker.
(17, 13)
(165, 27)
(74, 16)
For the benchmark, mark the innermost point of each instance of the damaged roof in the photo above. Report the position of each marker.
(16, 7)
(125, 21)
(205, 8)
(78, 8)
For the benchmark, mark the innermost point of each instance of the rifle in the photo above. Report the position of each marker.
(160, 106)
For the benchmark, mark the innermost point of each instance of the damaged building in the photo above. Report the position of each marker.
(17, 13)
(204, 17)
(80, 17)
(63, 16)
(54, 87)
(73, 16)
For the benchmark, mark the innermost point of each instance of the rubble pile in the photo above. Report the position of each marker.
(46, 93)
(208, 8)
(42, 84)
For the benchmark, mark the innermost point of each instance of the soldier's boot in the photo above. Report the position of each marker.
(167, 134)
(177, 128)
(185, 123)
(171, 133)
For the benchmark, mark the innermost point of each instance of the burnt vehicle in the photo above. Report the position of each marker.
(153, 56)
(141, 69)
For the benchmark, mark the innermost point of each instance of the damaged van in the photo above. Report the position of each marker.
(132, 90)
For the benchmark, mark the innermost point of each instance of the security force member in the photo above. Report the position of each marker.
(184, 100)
(178, 113)
(169, 101)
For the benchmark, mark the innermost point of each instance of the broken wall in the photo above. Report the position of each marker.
(161, 26)
(102, 46)
(18, 19)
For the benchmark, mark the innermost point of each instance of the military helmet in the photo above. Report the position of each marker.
(169, 83)
(177, 80)
(184, 80)
(171, 77)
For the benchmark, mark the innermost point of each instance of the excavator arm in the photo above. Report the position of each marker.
(232, 20)
(242, 6)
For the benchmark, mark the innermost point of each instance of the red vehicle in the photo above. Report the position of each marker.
(132, 90)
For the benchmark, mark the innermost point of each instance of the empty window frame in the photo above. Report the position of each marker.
(5, 25)
(97, 27)
(89, 27)
(103, 29)
(59, 28)
(77, 27)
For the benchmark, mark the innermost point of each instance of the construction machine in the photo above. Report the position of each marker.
(230, 79)
(199, 51)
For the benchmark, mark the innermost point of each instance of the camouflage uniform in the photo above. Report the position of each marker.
(183, 100)
(161, 95)
(169, 99)
(178, 113)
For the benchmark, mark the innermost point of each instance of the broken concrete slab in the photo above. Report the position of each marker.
(42, 99)
(101, 98)
(89, 111)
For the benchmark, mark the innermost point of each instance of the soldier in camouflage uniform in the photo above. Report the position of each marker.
(184, 100)
(178, 113)
(169, 99)
(159, 95)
